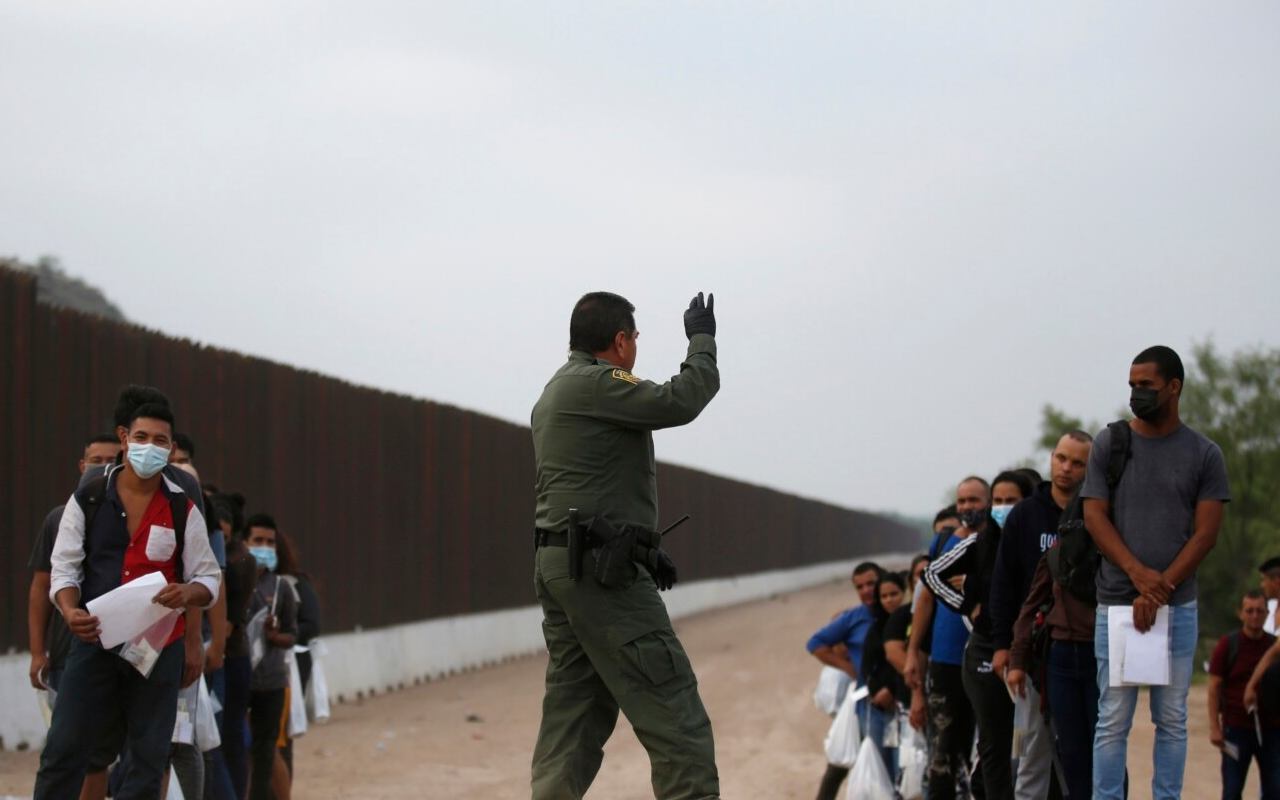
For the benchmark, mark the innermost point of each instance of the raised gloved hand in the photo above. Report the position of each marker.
(700, 317)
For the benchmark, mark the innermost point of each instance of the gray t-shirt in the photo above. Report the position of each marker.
(1155, 503)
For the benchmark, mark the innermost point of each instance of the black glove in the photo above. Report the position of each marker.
(659, 566)
(700, 318)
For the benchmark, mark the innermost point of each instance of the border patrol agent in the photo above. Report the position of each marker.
(609, 637)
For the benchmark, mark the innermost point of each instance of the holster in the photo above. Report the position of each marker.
(612, 549)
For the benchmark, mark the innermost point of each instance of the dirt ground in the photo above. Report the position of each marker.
(470, 736)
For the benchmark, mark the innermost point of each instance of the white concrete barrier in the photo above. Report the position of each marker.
(375, 661)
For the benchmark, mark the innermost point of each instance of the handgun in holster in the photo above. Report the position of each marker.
(574, 538)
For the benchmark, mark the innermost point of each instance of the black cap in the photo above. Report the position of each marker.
(1270, 564)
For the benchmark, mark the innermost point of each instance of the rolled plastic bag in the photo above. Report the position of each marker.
(318, 688)
(913, 758)
(184, 724)
(843, 736)
(297, 703)
(833, 684)
(207, 735)
(869, 779)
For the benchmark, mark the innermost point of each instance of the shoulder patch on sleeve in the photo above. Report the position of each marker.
(623, 375)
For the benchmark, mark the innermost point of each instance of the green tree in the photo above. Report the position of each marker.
(1235, 401)
(1054, 422)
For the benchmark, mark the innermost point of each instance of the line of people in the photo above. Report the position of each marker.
(1007, 665)
(217, 698)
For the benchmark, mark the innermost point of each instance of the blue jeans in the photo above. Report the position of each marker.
(1267, 754)
(1072, 689)
(875, 723)
(1168, 711)
(100, 690)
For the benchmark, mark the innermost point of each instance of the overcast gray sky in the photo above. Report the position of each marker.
(922, 221)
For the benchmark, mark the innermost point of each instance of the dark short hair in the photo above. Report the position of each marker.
(868, 566)
(261, 520)
(1271, 565)
(1168, 364)
(1032, 475)
(183, 442)
(133, 396)
(151, 411)
(977, 478)
(1017, 478)
(219, 510)
(597, 318)
(234, 501)
(947, 513)
(1078, 436)
(915, 562)
(102, 438)
(1252, 594)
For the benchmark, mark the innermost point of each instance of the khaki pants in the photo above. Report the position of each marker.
(611, 649)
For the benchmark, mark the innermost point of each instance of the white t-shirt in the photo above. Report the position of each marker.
(1270, 626)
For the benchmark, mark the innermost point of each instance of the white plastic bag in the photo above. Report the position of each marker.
(297, 703)
(256, 629)
(832, 685)
(1023, 716)
(843, 736)
(184, 724)
(913, 759)
(318, 688)
(207, 735)
(869, 779)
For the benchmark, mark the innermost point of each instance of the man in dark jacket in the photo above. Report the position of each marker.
(961, 580)
(1029, 531)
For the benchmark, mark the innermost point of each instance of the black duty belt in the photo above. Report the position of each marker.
(545, 538)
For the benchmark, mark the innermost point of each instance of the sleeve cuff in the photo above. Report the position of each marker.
(702, 343)
(57, 587)
(212, 585)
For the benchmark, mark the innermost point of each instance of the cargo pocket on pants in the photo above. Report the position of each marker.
(655, 658)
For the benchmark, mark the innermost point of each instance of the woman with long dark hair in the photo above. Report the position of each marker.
(885, 685)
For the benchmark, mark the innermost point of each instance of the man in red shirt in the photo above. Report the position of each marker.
(133, 523)
(1232, 728)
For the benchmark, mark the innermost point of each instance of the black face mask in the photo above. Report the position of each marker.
(1145, 403)
(973, 518)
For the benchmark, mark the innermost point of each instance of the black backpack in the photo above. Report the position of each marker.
(1073, 561)
(93, 493)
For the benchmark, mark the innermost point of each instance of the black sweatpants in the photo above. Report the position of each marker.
(265, 710)
(994, 712)
(950, 732)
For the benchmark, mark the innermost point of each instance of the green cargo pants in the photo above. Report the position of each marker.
(612, 648)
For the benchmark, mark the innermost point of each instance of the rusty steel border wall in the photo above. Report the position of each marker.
(431, 520)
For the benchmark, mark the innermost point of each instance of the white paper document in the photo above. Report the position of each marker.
(1137, 659)
(126, 611)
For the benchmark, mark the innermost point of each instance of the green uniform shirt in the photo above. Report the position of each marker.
(592, 440)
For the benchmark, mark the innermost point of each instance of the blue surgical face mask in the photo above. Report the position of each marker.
(1000, 514)
(265, 556)
(147, 459)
